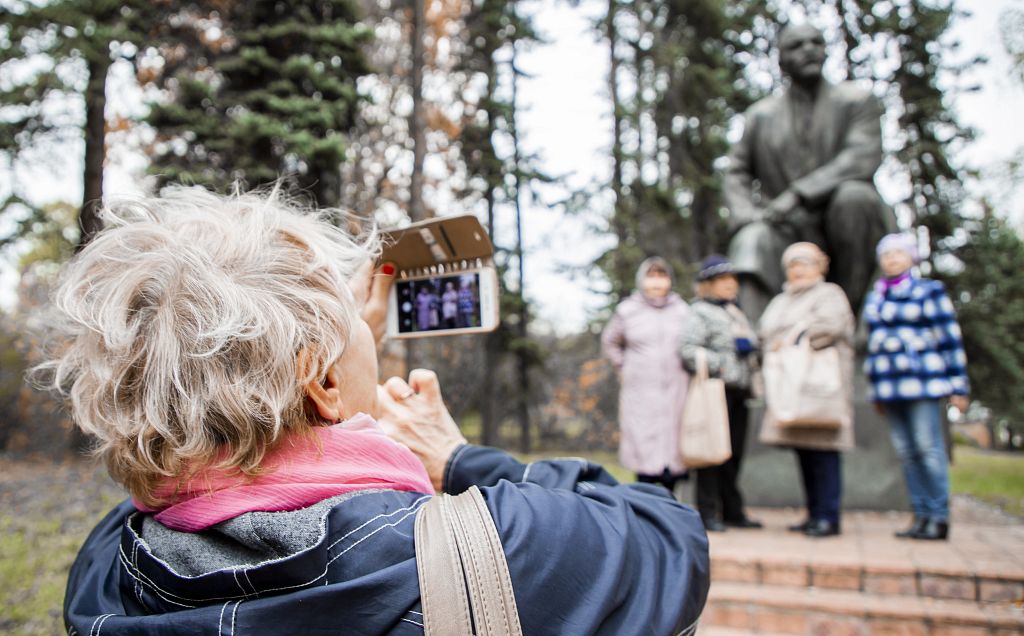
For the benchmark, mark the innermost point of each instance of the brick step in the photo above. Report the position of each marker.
(986, 583)
(714, 630)
(789, 610)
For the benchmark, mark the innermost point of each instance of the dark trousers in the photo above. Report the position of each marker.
(718, 496)
(666, 479)
(822, 475)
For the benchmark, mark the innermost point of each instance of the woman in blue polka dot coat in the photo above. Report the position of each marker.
(915, 359)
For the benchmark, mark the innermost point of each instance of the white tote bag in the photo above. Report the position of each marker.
(804, 386)
(704, 438)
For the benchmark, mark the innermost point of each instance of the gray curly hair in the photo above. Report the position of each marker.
(180, 327)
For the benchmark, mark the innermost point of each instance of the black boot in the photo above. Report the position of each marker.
(822, 528)
(915, 528)
(712, 524)
(934, 530)
(800, 527)
(743, 522)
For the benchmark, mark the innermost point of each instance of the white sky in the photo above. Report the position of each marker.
(565, 119)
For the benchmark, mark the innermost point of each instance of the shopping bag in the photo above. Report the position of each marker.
(804, 386)
(704, 436)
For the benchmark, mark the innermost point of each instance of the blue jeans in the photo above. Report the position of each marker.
(916, 428)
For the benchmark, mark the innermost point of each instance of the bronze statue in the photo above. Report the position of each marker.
(803, 171)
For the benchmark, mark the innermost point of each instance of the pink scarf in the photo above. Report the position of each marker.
(885, 284)
(353, 455)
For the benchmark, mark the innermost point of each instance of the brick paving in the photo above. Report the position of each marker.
(866, 581)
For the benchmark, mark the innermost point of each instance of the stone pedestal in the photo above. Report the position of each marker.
(872, 476)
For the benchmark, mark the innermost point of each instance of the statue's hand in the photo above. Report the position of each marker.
(781, 206)
(738, 219)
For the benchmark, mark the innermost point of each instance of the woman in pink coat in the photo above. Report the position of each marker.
(641, 342)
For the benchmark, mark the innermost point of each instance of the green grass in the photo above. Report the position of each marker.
(41, 534)
(993, 477)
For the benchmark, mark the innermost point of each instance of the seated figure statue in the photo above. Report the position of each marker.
(803, 171)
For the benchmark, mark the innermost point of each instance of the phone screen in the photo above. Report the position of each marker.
(439, 303)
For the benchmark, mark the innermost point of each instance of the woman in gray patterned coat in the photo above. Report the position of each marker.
(720, 328)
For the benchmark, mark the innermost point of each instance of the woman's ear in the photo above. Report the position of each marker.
(324, 394)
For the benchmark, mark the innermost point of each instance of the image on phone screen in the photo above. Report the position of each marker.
(439, 303)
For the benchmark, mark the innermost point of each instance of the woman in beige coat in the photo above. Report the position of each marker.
(824, 314)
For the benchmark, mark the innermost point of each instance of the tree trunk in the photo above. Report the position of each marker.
(417, 210)
(327, 187)
(618, 222)
(492, 353)
(89, 222)
(522, 363)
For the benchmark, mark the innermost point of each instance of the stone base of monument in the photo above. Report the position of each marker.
(872, 476)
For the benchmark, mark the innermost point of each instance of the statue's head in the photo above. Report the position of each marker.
(801, 52)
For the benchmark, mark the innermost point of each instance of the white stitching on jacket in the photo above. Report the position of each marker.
(386, 525)
(234, 612)
(133, 571)
(220, 623)
(99, 619)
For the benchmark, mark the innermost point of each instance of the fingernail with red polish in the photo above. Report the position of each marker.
(388, 269)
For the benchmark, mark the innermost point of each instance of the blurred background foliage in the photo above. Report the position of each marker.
(405, 109)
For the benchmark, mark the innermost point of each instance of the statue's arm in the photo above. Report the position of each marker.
(737, 186)
(858, 159)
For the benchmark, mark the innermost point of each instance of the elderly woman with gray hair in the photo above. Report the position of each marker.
(216, 349)
(818, 311)
(640, 340)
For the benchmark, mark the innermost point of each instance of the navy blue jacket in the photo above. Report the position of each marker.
(586, 556)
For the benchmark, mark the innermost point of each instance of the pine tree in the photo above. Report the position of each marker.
(494, 27)
(76, 42)
(988, 291)
(914, 35)
(272, 93)
(677, 80)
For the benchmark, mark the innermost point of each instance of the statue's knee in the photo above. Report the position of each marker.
(752, 236)
(856, 195)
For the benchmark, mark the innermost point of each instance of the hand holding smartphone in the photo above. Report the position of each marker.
(445, 283)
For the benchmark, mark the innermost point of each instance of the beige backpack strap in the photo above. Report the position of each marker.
(458, 549)
(442, 592)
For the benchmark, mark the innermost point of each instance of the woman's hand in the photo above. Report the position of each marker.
(961, 402)
(414, 414)
(370, 289)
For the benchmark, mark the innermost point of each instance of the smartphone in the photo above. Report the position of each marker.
(445, 283)
(452, 303)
